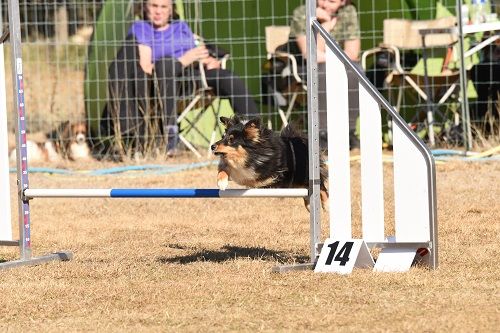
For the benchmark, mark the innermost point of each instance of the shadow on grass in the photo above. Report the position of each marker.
(227, 253)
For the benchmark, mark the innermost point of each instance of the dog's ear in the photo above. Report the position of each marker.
(225, 121)
(254, 122)
(236, 119)
(252, 129)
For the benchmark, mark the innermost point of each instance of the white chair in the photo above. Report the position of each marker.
(277, 36)
(403, 35)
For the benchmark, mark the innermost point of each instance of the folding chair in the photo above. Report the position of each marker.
(403, 35)
(285, 86)
(193, 103)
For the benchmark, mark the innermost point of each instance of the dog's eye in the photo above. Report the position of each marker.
(230, 139)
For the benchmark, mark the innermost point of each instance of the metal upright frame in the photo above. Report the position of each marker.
(313, 130)
(26, 256)
(5, 213)
(313, 134)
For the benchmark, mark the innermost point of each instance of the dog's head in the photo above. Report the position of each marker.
(238, 137)
(79, 132)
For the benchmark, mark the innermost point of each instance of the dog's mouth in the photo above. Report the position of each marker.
(217, 150)
(80, 138)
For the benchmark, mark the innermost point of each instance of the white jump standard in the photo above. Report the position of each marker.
(24, 241)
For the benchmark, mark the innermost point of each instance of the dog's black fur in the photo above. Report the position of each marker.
(254, 156)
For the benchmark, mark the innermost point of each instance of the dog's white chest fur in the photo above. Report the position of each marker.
(247, 177)
(241, 175)
(52, 154)
(79, 151)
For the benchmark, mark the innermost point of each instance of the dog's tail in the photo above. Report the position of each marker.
(323, 175)
(290, 132)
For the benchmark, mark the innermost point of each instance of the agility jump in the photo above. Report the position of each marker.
(165, 193)
(414, 175)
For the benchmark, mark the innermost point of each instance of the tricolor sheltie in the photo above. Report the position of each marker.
(254, 156)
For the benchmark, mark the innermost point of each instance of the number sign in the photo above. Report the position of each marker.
(341, 256)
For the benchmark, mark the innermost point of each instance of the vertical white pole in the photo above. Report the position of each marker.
(339, 164)
(372, 172)
(5, 213)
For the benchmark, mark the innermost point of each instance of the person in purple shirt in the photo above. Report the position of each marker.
(167, 46)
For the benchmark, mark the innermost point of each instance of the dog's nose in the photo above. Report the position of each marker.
(80, 138)
(213, 147)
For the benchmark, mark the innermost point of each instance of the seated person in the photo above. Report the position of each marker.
(165, 47)
(339, 17)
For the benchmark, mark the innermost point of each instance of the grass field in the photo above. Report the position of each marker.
(182, 265)
(205, 265)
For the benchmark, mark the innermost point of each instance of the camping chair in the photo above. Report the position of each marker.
(283, 83)
(141, 122)
(403, 35)
(193, 104)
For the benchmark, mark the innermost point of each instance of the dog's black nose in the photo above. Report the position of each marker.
(213, 147)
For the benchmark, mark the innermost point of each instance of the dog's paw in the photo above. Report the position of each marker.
(222, 184)
(222, 180)
(307, 204)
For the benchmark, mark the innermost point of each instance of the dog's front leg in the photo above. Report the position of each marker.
(323, 195)
(222, 180)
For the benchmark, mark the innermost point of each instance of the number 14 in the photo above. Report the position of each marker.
(343, 254)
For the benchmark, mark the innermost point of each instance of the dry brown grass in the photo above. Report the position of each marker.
(54, 87)
(205, 265)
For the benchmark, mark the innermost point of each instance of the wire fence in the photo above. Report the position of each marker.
(69, 45)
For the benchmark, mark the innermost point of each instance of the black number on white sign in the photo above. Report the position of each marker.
(343, 254)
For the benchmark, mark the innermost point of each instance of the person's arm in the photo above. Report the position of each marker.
(211, 63)
(352, 48)
(350, 32)
(141, 32)
(328, 23)
(320, 50)
(146, 59)
(195, 54)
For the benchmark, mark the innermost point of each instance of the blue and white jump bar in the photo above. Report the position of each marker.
(165, 193)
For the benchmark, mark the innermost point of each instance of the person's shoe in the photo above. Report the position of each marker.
(171, 153)
(172, 140)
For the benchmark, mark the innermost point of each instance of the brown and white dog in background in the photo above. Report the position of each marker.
(70, 140)
(67, 141)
